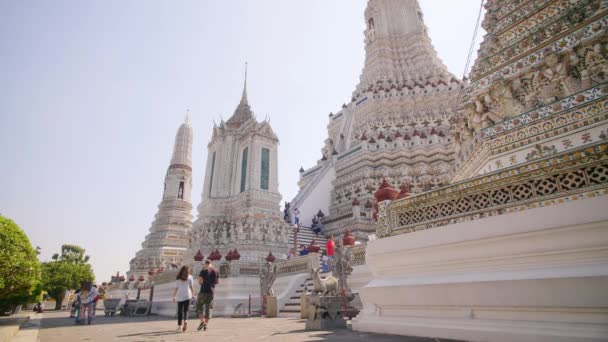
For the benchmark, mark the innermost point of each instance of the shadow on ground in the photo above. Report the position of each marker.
(56, 321)
(344, 335)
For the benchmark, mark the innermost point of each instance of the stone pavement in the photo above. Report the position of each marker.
(9, 325)
(57, 327)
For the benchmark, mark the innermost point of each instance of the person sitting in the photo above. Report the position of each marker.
(291, 254)
(303, 250)
(317, 228)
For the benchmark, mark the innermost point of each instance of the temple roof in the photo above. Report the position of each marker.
(242, 112)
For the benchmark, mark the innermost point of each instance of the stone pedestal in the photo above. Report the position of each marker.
(271, 307)
(304, 306)
(325, 312)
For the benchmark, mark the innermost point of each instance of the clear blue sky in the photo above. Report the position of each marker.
(92, 93)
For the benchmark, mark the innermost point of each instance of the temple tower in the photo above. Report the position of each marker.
(169, 235)
(240, 200)
(396, 127)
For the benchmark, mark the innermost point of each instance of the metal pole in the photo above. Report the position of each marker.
(249, 314)
(345, 307)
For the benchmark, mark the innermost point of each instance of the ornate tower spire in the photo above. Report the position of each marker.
(182, 150)
(244, 96)
(243, 111)
(398, 50)
(169, 233)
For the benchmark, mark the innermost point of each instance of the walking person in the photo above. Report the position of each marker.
(183, 292)
(87, 297)
(75, 312)
(208, 278)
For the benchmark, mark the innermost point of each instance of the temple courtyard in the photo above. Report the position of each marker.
(57, 327)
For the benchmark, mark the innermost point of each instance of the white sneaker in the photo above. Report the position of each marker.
(179, 328)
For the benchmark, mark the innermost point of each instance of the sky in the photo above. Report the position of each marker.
(92, 94)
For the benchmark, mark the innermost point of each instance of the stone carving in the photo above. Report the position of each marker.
(327, 286)
(507, 104)
(560, 83)
(341, 265)
(596, 67)
(268, 275)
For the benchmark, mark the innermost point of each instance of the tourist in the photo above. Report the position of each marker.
(324, 262)
(291, 254)
(183, 292)
(330, 246)
(86, 298)
(315, 225)
(75, 312)
(95, 300)
(204, 303)
(303, 250)
(296, 216)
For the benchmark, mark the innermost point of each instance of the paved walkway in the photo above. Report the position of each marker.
(9, 325)
(57, 327)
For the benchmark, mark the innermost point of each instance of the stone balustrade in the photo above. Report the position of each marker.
(358, 252)
(556, 179)
(300, 264)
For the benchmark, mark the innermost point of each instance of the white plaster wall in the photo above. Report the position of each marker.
(228, 294)
(535, 275)
(318, 198)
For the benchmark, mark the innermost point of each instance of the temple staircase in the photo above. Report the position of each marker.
(305, 237)
(292, 306)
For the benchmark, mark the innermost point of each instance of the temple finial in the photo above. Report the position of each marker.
(244, 97)
(187, 116)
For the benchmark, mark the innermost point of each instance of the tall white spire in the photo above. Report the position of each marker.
(182, 150)
(170, 231)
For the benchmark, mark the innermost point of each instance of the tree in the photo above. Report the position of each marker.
(19, 266)
(66, 272)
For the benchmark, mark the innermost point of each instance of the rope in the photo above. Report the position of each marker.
(473, 40)
(458, 97)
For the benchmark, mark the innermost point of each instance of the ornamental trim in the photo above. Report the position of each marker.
(552, 180)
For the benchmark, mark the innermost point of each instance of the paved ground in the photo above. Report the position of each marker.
(57, 327)
(9, 325)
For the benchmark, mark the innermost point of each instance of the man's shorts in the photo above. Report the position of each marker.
(204, 303)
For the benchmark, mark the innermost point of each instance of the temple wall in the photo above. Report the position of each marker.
(318, 198)
(534, 275)
(229, 293)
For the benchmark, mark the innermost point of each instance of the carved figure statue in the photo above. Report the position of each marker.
(342, 265)
(267, 277)
(560, 82)
(596, 66)
(475, 119)
(326, 286)
(507, 104)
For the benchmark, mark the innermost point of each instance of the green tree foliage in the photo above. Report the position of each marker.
(66, 272)
(19, 266)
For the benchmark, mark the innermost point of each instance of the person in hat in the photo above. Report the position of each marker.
(208, 279)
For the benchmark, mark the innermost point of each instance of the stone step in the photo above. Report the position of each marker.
(292, 304)
(289, 311)
(299, 291)
(289, 314)
(294, 297)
